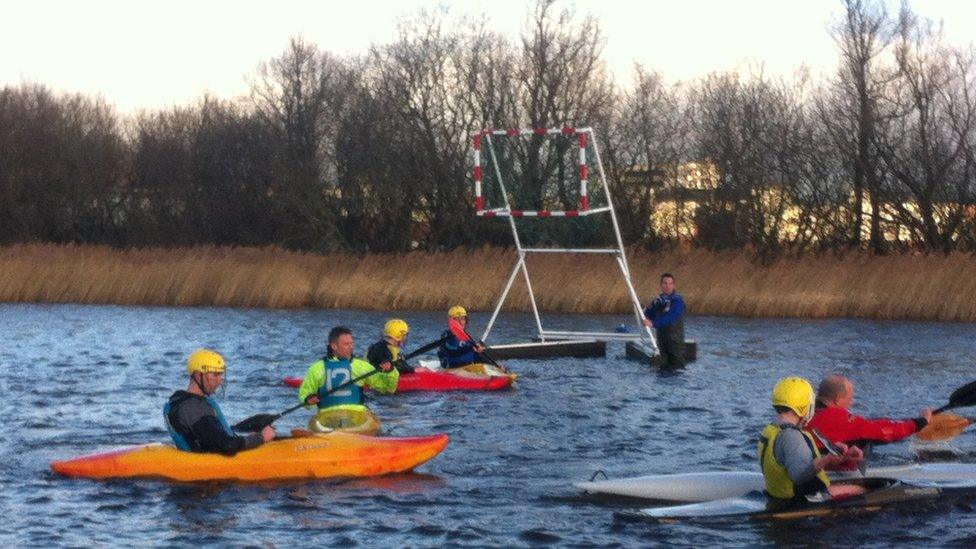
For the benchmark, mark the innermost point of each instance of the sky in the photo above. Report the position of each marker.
(144, 54)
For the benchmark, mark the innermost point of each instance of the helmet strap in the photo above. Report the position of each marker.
(198, 381)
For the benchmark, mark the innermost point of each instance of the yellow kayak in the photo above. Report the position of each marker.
(335, 454)
(362, 422)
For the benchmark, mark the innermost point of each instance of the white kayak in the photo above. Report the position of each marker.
(714, 485)
(880, 493)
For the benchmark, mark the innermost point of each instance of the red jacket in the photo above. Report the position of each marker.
(839, 425)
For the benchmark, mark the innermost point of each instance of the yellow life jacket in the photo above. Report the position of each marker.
(778, 482)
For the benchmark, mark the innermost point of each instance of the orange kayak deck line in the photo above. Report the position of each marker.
(323, 455)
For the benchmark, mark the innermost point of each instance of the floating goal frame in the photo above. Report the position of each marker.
(584, 137)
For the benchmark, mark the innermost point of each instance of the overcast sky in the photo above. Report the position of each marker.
(142, 54)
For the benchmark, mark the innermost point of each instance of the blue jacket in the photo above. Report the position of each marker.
(454, 352)
(666, 310)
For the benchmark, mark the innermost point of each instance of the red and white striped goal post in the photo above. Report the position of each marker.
(479, 201)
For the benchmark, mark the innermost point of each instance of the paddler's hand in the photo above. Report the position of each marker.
(312, 400)
(646, 322)
(386, 366)
(268, 433)
(479, 348)
(849, 455)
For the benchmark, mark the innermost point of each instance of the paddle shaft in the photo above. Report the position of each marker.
(425, 348)
(455, 324)
(834, 451)
(273, 418)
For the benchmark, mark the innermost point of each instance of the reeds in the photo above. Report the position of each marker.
(933, 287)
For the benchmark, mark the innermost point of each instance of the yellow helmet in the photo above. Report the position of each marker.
(396, 328)
(457, 311)
(205, 361)
(796, 394)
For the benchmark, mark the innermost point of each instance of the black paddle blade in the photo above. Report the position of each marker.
(255, 423)
(963, 396)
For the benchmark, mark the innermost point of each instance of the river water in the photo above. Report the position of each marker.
(80, 379)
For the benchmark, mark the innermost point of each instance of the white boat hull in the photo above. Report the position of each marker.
(714, 485)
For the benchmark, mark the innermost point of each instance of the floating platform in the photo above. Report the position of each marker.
(640, 351)
(549, 349)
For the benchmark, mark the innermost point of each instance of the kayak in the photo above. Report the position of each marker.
(438, 381)
(363, 422)
(713, 485)
(334, 454)
(755, 505)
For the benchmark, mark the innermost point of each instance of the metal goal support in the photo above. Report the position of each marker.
(584, 138)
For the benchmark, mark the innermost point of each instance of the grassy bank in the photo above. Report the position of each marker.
(856, 285)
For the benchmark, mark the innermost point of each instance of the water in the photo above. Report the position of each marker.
(79, 379)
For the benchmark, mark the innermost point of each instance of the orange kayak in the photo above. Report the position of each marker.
(322, 455)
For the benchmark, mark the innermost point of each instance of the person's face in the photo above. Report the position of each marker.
(212, 381)
(667, 285)
(463, 321)
(342, 347)
(846, 401)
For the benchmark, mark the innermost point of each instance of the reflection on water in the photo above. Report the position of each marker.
(81, 379)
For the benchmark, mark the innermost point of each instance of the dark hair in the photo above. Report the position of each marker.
(666, 275)
(334, 333)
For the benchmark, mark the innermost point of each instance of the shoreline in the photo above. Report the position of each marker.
(854, 285)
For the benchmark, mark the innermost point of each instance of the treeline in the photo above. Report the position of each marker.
(371, 152)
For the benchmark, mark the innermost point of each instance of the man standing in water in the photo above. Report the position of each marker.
(834, 420)
(193, 418)
(666, 314)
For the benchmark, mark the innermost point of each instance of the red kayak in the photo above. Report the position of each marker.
(438, 381)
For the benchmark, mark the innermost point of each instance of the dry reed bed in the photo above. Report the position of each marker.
(933, 287)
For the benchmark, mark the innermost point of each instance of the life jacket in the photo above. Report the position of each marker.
(454, 352)
(778, 482)
(179, 439)
(337, 372)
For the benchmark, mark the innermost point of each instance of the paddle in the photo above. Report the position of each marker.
(944, 426)
(424, 349)
(833, 450)
(260, 421)
(463, 335)
(947, 426)
(961, 397)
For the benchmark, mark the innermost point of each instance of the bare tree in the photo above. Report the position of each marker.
(648, 143)
(850, 110)
(927, 142)
(302, 94)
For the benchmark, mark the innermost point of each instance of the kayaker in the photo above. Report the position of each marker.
(791, 463)
(338, 367)
(666, 314)
(833, 418)
(193, 418)
(458, 348)
(386, 351)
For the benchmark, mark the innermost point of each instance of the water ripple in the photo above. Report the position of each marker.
(99, 375)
